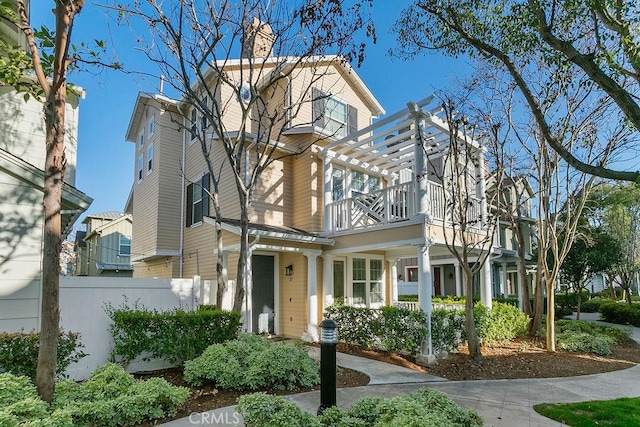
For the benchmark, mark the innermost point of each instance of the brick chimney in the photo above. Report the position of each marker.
(258, 40)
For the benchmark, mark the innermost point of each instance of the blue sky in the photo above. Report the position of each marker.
(105, 167)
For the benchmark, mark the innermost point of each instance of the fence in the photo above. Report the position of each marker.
(82, 302)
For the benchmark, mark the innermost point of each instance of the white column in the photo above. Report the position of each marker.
(483, 187)
(520, 288)
(327, 281)
(504, 288)
(425, 287)
(248, 309)
(393, 263)
(458, 280)
(312, 295)
(485, 285)
(421, 174)
(328, 192)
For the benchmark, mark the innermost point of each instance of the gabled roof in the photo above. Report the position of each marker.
(122, 217)
(74, 201)
(138, 112)
(104, 215)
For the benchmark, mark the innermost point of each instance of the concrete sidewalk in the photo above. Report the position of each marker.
(500, 402)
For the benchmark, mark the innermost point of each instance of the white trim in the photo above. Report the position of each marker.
(276, 235)
(377, 246)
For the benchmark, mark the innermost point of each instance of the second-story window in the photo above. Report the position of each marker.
(204, 123)
(334, 116)
(141, 140)
(194, 124)
(198, 200)
(140, 167)
(150, 158)
(152, 124)
(124, 246)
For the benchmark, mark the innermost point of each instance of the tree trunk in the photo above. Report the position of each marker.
(551, 314)
(472, 336)
(55, 162)
(538, 303)
(241, 277)
(522, 269)
(578, 304)
(219, 264)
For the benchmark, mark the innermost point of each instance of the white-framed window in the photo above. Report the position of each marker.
(204, 123)
(194, 124)
(366, 284)
(152, 124)
(141, 140)
(336, 117)
(124, 245)
(140, 167)
(363, 183)
(150, 159)
(338, 183)
(198, 200)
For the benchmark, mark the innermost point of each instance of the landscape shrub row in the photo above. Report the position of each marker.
(398, 329)
(175, 335)
(19, 352)
(570, 299)
(390, 328)
(252, 363)
(110, 397)
(581, 336)
(621, 313)
(425, 407)
(592, 305)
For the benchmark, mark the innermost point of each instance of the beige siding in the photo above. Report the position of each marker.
(23, 132)
(307, 193)
(293, 295)
(20, 253)
(167, 267)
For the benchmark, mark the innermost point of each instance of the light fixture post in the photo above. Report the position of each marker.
(328, 342)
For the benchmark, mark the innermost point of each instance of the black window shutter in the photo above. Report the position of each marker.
(352, 120)
(189, 205)
(205, 194)
(319, 102)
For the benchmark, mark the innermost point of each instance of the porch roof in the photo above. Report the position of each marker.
(270, 231)
(388, 145)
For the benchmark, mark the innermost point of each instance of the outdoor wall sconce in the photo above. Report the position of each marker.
(288, 270)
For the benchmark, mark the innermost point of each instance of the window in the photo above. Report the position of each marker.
(149, 158)
(332, 115)
(337, 184)
(152, 124)
(367, 281)
(197, 200)
(363, 183)
(412, 274)
(338, 280)
(124, 246)
(204, 123)
(141, 139)
(194, 124)
(140, 167)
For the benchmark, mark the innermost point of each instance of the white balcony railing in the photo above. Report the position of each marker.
(390, 205)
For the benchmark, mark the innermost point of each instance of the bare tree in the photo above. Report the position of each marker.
(231, 64)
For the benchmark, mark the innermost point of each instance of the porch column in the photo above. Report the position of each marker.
(248, 309)
(486, 293)
(312, 294)
(421, 174)
(425, 287)
(327, 281)
(328, 192)
(504, 286)
(393, 264)
(520, 288)
(458, 279)
(483, 187)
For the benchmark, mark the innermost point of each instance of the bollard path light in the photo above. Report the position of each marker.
(328, 342)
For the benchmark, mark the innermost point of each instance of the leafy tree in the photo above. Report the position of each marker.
(41, 72)
(578, 43)
(594, 251)
(208, 49)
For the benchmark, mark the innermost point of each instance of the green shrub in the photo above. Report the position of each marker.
(426, 407)
(110, 397)
(587, 337)
(252, 363)
(282, 367)
(408, 298)
(592, 305)
(499, 325)
(447, 330)
(264, 410)
(175, 335)
(355, 325)
(570, 299)
(620, 313)
(19, 352)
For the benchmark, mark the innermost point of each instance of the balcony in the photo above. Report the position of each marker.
(392, 205)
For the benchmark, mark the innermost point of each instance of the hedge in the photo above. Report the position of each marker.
(621, 313)
(175, 335)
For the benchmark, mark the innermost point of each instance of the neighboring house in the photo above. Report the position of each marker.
(105, 247)
(329, 224)
(22, 158)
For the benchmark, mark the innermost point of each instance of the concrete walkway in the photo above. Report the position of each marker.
(500, 402)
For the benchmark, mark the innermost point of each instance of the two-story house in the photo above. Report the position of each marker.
(328, 223)
(104, 247)
(22, 158)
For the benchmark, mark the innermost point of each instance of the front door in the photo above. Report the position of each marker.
(436, 281)
(262, 294)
